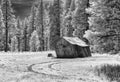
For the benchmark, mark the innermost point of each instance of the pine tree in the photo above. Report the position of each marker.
(22, 36)
(68, 28)
(46, 30)
(14, 44)
(32, 18)
(114, 21)
(72, 6)
(39, 24)
(67, 5)
(105, 21)
(1, 19)
(18, 33)
(47, 37)
(9, 20)
(80, 18)
(25, 35)
(1, 31)
(54, 23)
(31, 22)
(34, 42)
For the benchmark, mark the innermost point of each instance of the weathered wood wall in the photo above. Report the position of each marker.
(66, 50)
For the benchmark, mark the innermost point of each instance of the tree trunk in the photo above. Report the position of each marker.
(25, 39)
(42, 42)
(18, 44)
(6, 30)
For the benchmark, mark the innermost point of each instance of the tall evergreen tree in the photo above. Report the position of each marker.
(14, 44)
(46, 30)
(34, 42)
(54, 23)
(72, 6)
(9, 20)
(80, 18)
(67, 29)
(22, 36)
(39, 24)
(31, 25)
(67, 5)
(32, 18)
(25, 35)
(1, 31)
(18, 33)
(105, 21)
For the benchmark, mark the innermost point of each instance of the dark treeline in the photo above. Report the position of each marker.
(96, 20)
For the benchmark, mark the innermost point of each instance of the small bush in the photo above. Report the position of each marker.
(111, 72)
(50, 55)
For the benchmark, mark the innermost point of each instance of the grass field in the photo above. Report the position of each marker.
(37, 67)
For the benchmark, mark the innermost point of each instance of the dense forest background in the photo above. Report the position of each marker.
(96, 20)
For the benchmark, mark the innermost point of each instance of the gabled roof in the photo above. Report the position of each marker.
(76, 41)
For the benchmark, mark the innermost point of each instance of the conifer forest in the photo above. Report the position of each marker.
(49, 20)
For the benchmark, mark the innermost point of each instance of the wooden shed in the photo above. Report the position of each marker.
(72, 47)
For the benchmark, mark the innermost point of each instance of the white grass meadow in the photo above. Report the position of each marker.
(37, 67)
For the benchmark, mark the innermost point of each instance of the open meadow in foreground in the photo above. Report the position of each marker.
(37, 67)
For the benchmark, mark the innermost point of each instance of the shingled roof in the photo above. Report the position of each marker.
(75, 41)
